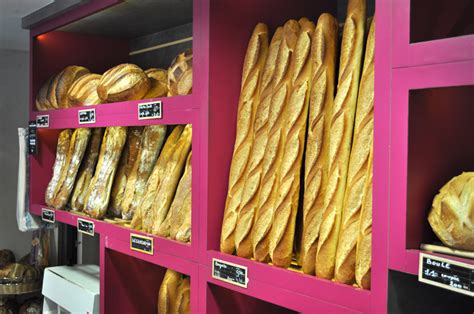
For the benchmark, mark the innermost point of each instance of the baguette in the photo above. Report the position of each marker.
(60, 166)
(273, 150)
(359, 168)
(179, 209)
(98, 192)
(295, 117)
(364, 239)
(243, 230)
(77, 148)
(183, 297)
(153, 137)
(251, 73)
(323, 51)
(86, 172)
(59, 87)
(342, 122)
(127, 159)
(169, 292)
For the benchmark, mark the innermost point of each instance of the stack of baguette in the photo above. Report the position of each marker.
(303, 148)
(174, 294)
(75, 86)
(125, 176)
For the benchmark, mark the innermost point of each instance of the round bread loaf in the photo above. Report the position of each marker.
(59, 87)
(452, 213)
(42, 101)
(123, 82)
(83, 91)
(158, 83)
(180, 74)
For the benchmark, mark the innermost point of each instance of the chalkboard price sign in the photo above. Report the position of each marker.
(230, 273)
(447, 274)
(85, 226)
(141, 243)
(32, 138)
(150, 110)
(42, 121)
(48, 215)
(86, 116)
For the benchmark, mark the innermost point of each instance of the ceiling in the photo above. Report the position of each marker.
(12, 36)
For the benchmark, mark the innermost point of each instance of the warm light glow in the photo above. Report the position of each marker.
(40, 37)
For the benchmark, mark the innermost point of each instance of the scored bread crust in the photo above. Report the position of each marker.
(59, 87)
(273, 150)
(182, 304)
(42, 101)
(250, 85)
(342, 122)
(123, 82)
(158, 83)
(168, 292)
(83, 92)
(180, 74)
(359, 168)
(323, 51)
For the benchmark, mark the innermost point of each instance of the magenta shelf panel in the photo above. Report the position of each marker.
(415, 178)
(407, 54)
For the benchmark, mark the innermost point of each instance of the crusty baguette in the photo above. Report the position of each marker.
(77, 148)
(183, 297)
(363, 263)
(250, 85)
(342, 122)
(359, 168)
(98, 193)
(152, 140)
(154, 179)
(86, 172)
(127, 159)
(178, 210)
(295, 117)
(60, 166)
(168, 292)
(323, 52)
(243, 234)
(273, 151)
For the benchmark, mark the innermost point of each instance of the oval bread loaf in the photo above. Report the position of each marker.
(180, 74)
(83, 91)
(158, 83)
(123, 82)
(59, 87)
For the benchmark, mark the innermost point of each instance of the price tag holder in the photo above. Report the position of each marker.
(447, 274)
(85, 226)
(86, 116)
(230, 273)
(150, 110)
(48, 215)
(32, 138)
(42, 121)
(141, 243)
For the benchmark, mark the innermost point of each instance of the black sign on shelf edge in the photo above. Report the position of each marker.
(434, 282)
(86, 116)
(236, 281)
(150, 110)
(86, 226)
(141, 243)
(42, 121)
(48, 215)
(32, 138)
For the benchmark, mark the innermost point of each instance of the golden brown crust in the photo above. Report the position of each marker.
(273, 151)
(83, 91)
(169, 292)
(323, 56)
(252, 71)
(42, 101)
(158, 83)
(123, 82)
(180, 74)
(183, 294)
(342, 122)
(359, 169)
(59, 87)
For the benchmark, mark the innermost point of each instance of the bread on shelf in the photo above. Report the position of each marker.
(324, 53)
(123, 82)
(359, 168)
(168, 292)
(83, 91)
(158, 83)
(342, 122)
(182, 302)
(180, 74)
(42, 99)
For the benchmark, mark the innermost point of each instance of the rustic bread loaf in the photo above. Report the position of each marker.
(158, 83)
(248, 101)
(59, 87)
(182, 302)
(342, 122)
(180, 74)
(123, 82)
(168, 292)
(42, 100)
(83, 91)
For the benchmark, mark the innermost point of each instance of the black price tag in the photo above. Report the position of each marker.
(32, 138)
(447, 274)
(86, 116)
(230, 273)
(42, 121)
(85, 226)
(149, 110)
(48, 215)
(141, 243)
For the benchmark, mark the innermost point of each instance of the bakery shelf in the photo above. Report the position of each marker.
(444, 33)
(131, 285)
(431, 126)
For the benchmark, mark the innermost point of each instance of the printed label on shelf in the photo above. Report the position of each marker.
(230, 273)
(86, 116)
(32, 138)
(445, 273)
(149, 110)
(48, 215)
(141, 243)
(42, 121)
(85, 226)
